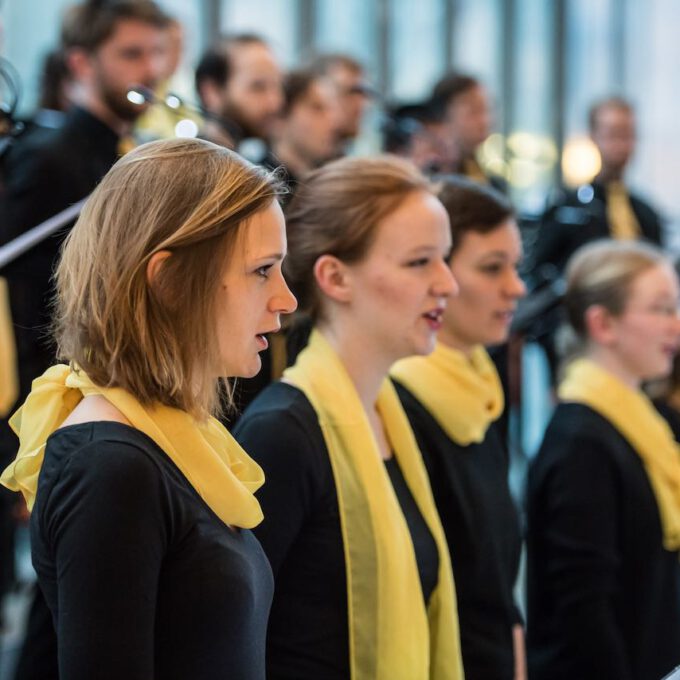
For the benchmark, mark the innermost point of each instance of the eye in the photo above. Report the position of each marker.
(418, 262)
(492, 269)
(263, 271)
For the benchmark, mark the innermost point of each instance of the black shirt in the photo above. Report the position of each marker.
(603, 593)
(308, 637)
(142, 578)
(470, 488)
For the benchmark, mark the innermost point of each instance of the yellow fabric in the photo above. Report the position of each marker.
(9, 376)
(206, 454)
(473, 171)
(632, 413)
(623, 224)
(463, 395)
(392, 634)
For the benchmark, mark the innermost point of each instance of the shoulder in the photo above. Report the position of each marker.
(280, 409)
(102, 460)
(281, 427)
(579, 443)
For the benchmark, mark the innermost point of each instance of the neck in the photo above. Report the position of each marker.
(450, 340)
(607, 360)
(366, 366)
(291, 158)
(98, 109)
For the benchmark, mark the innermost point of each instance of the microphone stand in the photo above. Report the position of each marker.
(23, 243)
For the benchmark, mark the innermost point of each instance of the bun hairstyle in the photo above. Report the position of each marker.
(335, 211)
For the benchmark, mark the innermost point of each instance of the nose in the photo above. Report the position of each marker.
(282, 301)
(515, 287)
(445, 285)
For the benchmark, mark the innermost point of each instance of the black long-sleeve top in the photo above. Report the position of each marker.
(143, 580)
(603, 593)
(308, 636)
(470, 488)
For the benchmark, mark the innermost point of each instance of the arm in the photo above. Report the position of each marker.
(106, 523)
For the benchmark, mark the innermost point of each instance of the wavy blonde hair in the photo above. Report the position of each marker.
(156, 340)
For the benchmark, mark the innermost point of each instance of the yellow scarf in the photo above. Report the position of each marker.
(634, 416)
(206, 454)
(464, 395)
(393, 636)
(9, 377)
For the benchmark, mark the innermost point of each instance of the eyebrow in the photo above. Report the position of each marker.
(274, 256)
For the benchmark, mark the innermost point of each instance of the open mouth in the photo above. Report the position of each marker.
(434, 318)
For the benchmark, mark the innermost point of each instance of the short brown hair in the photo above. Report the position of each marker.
(448, 89)
(472, 207)
(187, 196)
(601, 273)
(335, 212)
(91, 23)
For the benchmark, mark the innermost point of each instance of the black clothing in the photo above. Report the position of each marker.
(603, 594)
(579, 217)
(308, 634)
(470, 488)
(142, 578)
(46, 174)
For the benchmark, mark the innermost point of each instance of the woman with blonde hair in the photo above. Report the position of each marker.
(453, 398)
(142, 503)
(364, 588)
(604, 489)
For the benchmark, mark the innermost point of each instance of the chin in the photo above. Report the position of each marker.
(249, 371)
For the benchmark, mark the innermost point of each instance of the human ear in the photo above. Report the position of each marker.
(154, 265)
(600, 325)
(79, 64)
(332, 277)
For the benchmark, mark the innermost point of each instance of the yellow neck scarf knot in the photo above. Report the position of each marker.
(463, 394)
(205, 453)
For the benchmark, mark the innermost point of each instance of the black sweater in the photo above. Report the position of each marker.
(308, 636)
(603, 594)
(143, 579)
(470, 487)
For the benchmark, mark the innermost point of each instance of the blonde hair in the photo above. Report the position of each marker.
(335, 212)
(156, 340)
(601, 273)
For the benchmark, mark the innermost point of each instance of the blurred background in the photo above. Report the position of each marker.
(543, 62)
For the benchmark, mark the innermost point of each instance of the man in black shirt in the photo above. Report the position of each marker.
(109, 47)
(605, 207)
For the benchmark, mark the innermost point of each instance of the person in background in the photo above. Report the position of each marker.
(606, 207)
(142, 503)
(413, 131)
(462, 105)
(603, 502)
(452, 398)
(353, 93)
(240, 86)
(363, 581)
(307, 133)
